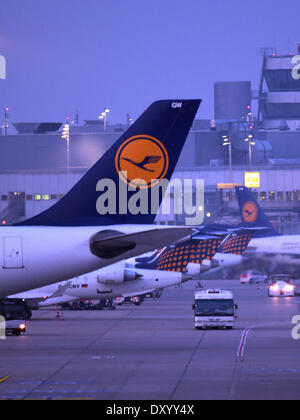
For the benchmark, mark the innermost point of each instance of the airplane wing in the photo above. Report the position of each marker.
(31, 294)
(113, 244)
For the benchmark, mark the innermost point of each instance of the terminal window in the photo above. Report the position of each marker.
(271, 195)
(229, 196)
(297, 195)
(4, 197)
(263, 196)
(16, 203)
(289, 196)
(280, 196)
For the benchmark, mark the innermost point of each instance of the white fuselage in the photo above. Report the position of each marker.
(89, 286)
(283, 249)
(33, 257)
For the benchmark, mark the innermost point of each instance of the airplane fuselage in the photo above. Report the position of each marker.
(279, 249)
(91, 287)
(33, 257)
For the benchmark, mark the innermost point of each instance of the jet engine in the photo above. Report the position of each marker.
(118, 274)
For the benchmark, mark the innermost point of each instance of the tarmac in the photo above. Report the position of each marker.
(153, 352)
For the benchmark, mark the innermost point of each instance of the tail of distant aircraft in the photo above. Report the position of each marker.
(252, 214)
(144, 155)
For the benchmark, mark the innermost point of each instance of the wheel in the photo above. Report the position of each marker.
(251, 281)
(229, 328)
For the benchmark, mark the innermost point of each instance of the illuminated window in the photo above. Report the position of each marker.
(46, 197)
(263, 196)
(38, 197)
(271, 195)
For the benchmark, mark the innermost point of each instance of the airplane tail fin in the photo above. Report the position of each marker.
(144, 155)
(252, 214)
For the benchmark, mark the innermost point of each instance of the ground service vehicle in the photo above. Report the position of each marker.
(14, 309)
(281, 285)
(214, 308)
(14, 312)
(15, 327)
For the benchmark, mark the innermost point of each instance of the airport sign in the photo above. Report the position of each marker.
(252, 179)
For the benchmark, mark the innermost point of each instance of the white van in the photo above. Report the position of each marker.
(214, 308)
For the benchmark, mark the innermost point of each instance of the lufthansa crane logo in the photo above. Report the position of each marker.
(142, 161)
(250, 212)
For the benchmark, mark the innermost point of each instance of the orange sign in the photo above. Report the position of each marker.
(250, 212)
(140, 160)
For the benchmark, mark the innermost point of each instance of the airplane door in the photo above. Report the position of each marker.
(13, 252)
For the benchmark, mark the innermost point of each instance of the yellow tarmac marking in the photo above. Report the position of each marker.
(4, 379)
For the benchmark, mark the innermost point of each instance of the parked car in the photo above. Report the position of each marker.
(253, 277)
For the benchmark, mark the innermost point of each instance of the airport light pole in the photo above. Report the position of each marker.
(66, 135)
(5, 121)
(251, 143)
(227, 142)
(103, 117)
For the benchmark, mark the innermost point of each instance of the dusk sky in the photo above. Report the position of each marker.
(124, 54)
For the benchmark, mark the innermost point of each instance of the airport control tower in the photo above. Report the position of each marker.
(279, 92)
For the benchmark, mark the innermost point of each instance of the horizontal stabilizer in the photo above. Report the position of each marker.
(61, 291)
(111, 244)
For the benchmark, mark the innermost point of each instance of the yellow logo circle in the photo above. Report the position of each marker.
(142, 161)
(250, 212)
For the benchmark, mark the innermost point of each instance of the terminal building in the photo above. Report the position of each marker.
(250, 131)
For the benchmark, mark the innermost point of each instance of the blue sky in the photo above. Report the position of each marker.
(124, 54)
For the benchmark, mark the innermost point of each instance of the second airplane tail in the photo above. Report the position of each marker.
(252, 214)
